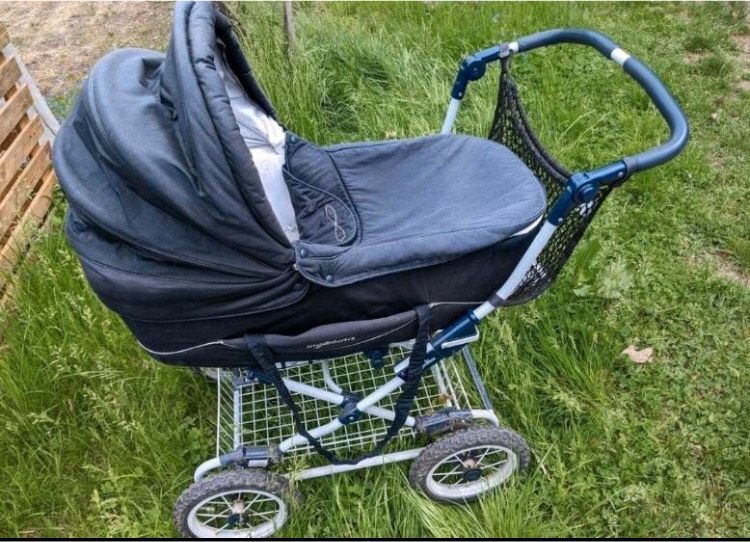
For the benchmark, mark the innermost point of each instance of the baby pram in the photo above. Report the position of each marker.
(336, 289)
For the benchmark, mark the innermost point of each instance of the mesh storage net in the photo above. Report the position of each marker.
(510, 127)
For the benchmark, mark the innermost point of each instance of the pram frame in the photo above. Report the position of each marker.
(336, 395)
(580, 189)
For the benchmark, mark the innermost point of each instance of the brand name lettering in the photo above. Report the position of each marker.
(318, 346)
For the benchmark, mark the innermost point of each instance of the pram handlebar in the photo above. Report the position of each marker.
(474, 66)
(581, 188)
(645, 77)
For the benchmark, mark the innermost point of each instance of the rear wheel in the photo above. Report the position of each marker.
(239, 503)
(464, 465)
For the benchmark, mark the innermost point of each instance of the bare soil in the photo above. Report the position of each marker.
(743, 44)
(60, 41)
(720, 263)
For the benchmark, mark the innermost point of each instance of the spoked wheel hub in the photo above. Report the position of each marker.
(471, 475)
(466, 464)
(247, 513)
(471, 472)
(234, 504)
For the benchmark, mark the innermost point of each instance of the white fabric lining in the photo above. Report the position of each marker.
(265, 139)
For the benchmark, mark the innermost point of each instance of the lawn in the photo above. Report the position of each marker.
(98, 440)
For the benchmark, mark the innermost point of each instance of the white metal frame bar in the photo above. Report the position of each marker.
(522, 268)
(369, 406)
(376, 461)
(366, 405)
(237, 414)
(450, 116)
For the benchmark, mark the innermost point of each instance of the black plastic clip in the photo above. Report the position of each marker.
(246, 378)
(377, 357)
(248, 456)
(448, 419)
(349, 411)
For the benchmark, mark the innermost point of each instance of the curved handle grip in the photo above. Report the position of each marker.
(656, 90)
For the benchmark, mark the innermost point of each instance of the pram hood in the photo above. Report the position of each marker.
(160, 182)
(172, 224)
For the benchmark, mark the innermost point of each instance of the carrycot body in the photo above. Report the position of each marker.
(200, 219)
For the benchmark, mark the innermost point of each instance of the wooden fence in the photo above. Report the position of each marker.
(26, 177)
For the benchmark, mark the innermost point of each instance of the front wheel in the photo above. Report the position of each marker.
(238, 503)
(464, 465)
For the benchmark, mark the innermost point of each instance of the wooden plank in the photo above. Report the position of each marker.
(10, 74)
(27, 180)
(17, 197)
(13, 111)
(4, 37)
(40, 104)
(21, 147)
(16, 244)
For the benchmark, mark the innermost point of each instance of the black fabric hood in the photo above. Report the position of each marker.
(163, 192)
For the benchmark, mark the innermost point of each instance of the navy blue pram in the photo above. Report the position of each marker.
(224, 240)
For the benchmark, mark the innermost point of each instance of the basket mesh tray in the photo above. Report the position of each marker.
(253, 414)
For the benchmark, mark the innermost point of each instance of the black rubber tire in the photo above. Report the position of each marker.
(233, 479)
(457, 441)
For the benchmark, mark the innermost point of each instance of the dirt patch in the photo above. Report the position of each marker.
(731, 272)
(743, 58)
(60, 41)
(722, 265)
(743, 44)
(695, 58)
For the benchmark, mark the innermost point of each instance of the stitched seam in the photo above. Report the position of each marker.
(383, 143)
(360, 226)
(189, 281)
(295, 179)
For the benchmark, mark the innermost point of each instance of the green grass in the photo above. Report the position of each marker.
(98, 440)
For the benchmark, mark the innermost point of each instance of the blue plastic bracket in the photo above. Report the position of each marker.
(472, 68)
(376, 357)
(582, 187)
(463, 328)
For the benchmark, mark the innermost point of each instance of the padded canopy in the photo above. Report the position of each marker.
(164, 197)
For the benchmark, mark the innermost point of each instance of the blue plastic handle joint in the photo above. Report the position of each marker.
(584, 186)
(472, 68)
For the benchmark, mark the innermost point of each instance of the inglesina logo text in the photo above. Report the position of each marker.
(331, 342)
